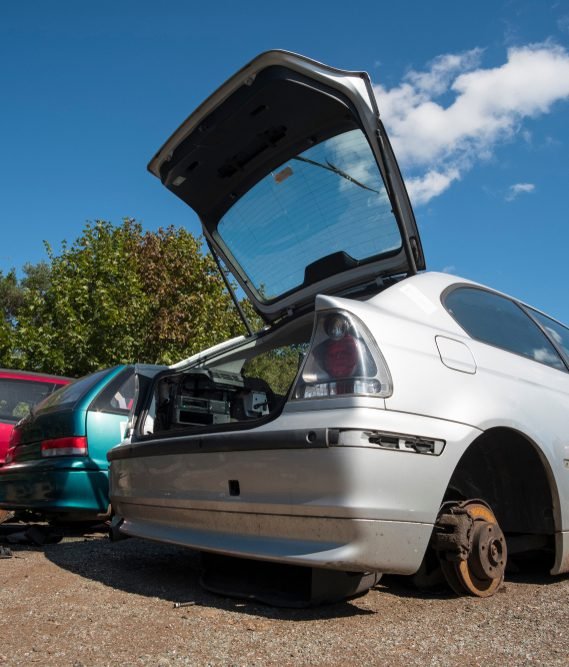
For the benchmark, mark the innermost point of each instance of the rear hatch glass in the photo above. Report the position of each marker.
(327, 201)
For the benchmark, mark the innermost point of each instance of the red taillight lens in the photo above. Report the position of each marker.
(341, 357)
(71, 446)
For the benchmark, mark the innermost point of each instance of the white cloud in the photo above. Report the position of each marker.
(555, 335)
(518, 189)
(547, 357)
(437, 79)
(437, 144)
(423, 188)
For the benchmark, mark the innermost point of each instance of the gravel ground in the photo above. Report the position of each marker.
(87, 601)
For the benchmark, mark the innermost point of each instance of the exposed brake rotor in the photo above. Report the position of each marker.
(471, 548)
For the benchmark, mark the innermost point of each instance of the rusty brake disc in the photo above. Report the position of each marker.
(471, 547)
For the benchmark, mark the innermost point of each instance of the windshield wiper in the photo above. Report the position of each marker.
(335, 170)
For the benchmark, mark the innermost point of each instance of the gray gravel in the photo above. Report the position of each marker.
(92, 602)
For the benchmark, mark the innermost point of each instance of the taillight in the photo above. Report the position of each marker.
(343, 359)
(71, 446)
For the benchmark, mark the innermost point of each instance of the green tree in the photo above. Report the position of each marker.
(118, 295)
(9, 296)
(6, 343)
(14, 293)
(278, 367)
(189, 308)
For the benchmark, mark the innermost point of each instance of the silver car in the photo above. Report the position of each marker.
(385, 417)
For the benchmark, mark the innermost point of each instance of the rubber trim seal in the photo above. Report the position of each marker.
(224, 442)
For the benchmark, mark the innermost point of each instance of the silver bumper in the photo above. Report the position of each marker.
(320, 503)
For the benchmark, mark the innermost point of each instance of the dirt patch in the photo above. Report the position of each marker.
(88, 601)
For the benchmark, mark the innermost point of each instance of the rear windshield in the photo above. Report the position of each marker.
(18, 396)
(70, 394)
(328, 199)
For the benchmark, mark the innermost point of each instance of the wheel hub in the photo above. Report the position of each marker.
(473, 557)
(487, 559)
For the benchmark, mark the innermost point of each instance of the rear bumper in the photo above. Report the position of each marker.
(337, 543)
(55, 491)
(293, 494)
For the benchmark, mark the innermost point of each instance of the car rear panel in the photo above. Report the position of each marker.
(104, 431)
(293, 493)
(5, 432)
(64, 484)
(19, 390)
(47, 426)
(55, 486)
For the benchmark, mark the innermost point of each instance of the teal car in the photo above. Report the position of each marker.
(56, 465)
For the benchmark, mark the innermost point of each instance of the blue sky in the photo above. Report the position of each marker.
(475, 96)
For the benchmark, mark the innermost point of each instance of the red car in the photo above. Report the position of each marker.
(19, 391)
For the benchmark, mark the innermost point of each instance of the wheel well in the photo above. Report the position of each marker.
(505, 469)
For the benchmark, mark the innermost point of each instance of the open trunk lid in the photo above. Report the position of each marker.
(289, 168)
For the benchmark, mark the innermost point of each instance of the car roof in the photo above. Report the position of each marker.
(14, 374)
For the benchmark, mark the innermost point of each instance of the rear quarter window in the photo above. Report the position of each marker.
(558, 333)
(499, 321)
(118, 396)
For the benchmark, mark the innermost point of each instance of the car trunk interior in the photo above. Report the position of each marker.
(235, 389)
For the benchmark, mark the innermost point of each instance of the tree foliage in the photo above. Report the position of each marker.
(278, 367)
(117, 294)
(13, 296)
